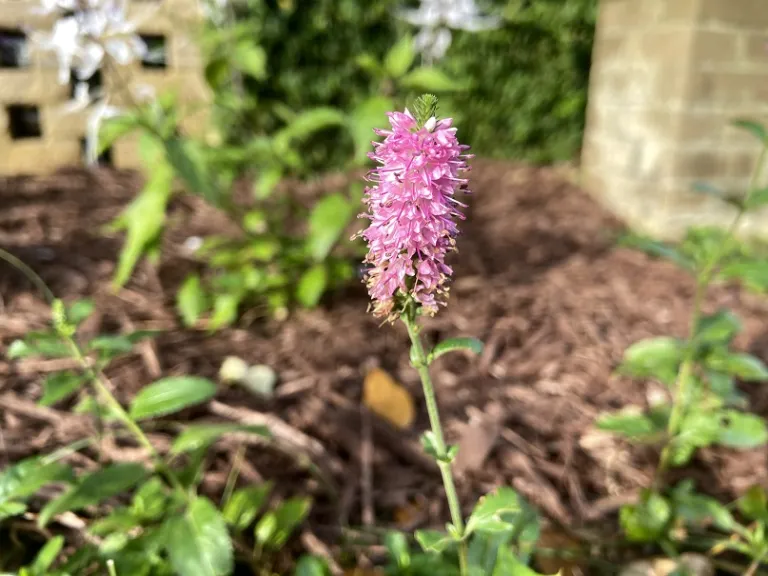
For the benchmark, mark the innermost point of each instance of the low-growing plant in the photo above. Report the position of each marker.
(137, 517)
(701, 371)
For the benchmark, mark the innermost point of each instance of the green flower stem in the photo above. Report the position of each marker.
(420, 362)
(706, 276)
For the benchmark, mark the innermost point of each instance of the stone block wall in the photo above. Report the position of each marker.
(37, 136)
(667, 78)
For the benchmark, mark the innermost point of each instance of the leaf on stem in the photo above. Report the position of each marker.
(472, 344)
(170, 395)
(653, 358)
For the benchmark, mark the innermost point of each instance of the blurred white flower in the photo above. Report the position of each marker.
(81, 40)
(436, 18)
(99, 112)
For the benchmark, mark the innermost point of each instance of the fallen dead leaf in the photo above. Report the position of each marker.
(388, 399)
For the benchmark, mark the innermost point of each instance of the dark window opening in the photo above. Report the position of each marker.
(156, 56)
(104, 159)
(24, 121)
(13, 48)
(94, 84)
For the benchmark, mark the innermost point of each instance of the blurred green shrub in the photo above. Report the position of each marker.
(527, 81)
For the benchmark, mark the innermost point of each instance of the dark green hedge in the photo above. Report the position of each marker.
(528, 79)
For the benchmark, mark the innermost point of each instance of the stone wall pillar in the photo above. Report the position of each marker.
(667, 78)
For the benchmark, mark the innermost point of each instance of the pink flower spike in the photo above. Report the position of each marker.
(412, 213)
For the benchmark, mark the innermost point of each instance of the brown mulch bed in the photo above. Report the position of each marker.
(537, 278)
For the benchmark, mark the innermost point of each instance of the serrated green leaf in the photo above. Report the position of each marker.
(242, 508)
(718, 328)
(743, 366)
(94, 488)
(754, 128)
(658, 249)
(170, 395)
(38, 345)
(110, 345)
(654, 358)
(431, 80)
(699, 510)
(630, 424)
(78, 311)
(740, 430)
(198, 543)
(306, 124)
(400, 57)
(311, 286)
(60, 385)
(507, 564)
(433, 541)
(328, 219)
(190, 163)
(114, 128)
(698, 429)
(191, 301)
(753, 274)
(197, 436)
(369, 114)
(398, 549)
(27, 477)
(472, 344)
(496, 512)
(251, 59)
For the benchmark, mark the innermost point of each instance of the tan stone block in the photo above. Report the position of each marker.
(125, 153)
(728, 88)
(756, 48)
(629, 14)
(711, 49)
(702, 165)
(57, 122)
(746, 14)
(39, 156)
(18, 13)
(692, 128)
(679, 12)
(185, 53)
(23, 86)
(742, 164)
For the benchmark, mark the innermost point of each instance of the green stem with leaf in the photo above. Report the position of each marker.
(704, 279)
(420, 362)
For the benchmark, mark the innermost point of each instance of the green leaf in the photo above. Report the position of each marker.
(658, 249)
(28, 476)
(197, 436)
(255, 222)
(311, 566)
(111, 345)
(754, 128)
(47, 555)
(397, 546)
(657, 358)
(266, 181)
(170, 395)
(251, 59)
(698, 429)
(38, 345)
(630, 424)
(757, 199)
(112, 129)
(94, 488)
(198, 543)
(311, 286)
(369, 114)
(150, 502)
(328, 219)
(433, 541)
(400, 57)
(507, 564)
(242, 508)
(496, 512)
(80, 310)
(191, 301)
(143, 220)
(188, 159)
(718, 328)
(430, 79)
(754, 504)
(60, 385)
(646, 521)
(287, 517)
(225, 307)
(11, 509)
(699, 510)
(472, 344)
(744, 366)
(368, 63)
(306, 124)
(752, 274)
(739, 430)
